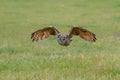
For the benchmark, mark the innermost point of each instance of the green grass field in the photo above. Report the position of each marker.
(21, 59)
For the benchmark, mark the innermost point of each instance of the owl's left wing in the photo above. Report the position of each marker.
(83, 33)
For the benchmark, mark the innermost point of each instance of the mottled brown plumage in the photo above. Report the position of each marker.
(63, 40)
(43, 33)
(83, 33)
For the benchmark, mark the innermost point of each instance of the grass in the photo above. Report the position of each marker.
(21, 59)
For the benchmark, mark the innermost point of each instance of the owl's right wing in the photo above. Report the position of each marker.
(44, 33)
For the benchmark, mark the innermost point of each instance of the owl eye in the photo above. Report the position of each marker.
(58, 36)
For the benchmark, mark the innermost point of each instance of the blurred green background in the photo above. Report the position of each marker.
(21, 59)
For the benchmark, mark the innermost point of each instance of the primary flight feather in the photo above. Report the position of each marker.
(63, 40)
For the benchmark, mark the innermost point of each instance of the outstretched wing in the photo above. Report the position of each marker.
(83, 33)
(44, 33)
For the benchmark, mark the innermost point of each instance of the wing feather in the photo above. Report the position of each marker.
(44, 33)
(83, 33)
